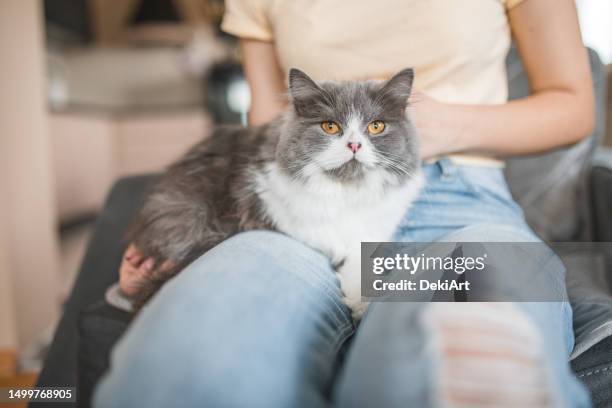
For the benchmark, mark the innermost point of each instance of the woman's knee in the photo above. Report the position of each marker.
(266, 255)
(266, 280)
(488, 353)
(255, 263)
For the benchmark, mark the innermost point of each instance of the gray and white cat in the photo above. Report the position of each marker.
(339, 167)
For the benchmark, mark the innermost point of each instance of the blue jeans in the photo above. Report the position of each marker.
(258, 321)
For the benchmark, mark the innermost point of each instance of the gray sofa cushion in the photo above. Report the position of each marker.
(589, 293)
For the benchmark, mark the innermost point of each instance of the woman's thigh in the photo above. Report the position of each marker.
(455, 197)
(257, 321)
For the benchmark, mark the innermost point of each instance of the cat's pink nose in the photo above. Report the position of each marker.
(354, 146)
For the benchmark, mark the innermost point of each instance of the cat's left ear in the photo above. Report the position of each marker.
(399, 87)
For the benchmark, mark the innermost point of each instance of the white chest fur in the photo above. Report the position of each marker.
(335, 218)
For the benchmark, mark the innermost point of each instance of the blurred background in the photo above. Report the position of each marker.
(90, 91)
(93, 90)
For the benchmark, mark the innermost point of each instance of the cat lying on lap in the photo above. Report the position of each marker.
(339, 167)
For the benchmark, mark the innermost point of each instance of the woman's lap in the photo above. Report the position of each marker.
(259, 320)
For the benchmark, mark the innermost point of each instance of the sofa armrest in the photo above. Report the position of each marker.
(593, 368)
(601, 194)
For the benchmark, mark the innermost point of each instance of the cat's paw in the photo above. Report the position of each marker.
(357, 307)
(349, 275)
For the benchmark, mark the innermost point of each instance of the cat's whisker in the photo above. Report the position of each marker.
(400, 167)
(392, 157)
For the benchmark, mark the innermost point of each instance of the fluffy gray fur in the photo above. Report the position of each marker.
(209, 195)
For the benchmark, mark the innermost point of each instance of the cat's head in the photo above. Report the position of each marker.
(345, 130)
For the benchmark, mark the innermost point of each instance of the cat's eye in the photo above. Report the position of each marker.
(330, 127)
(376, 127)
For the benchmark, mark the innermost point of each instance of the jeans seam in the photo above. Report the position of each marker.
(597, 371)
(328, 292)
(451, 172)
(344, 333)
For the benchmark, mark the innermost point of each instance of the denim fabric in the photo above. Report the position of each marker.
(258, 321)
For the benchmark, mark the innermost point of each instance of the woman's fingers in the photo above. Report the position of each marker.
(166, 266)
(147, 265)
(133, 255)
(136, 269)
(130, 278)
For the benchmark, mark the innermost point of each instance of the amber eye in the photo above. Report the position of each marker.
(331, 128)
(376, 127)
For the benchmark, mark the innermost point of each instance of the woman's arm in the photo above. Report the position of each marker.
(560, 110)
(266, 80)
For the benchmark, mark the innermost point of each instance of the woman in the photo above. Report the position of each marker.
(267, 328)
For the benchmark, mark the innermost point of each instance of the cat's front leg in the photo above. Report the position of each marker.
(349, 274)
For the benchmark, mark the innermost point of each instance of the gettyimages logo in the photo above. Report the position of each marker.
(412, 264)
(422, 263)
(475, 271)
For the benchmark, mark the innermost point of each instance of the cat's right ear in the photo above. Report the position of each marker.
(304, 91)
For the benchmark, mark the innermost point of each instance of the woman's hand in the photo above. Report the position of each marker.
(135, 270)
(431, 119)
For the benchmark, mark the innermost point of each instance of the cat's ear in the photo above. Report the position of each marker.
(303, 90)
(398, 88)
